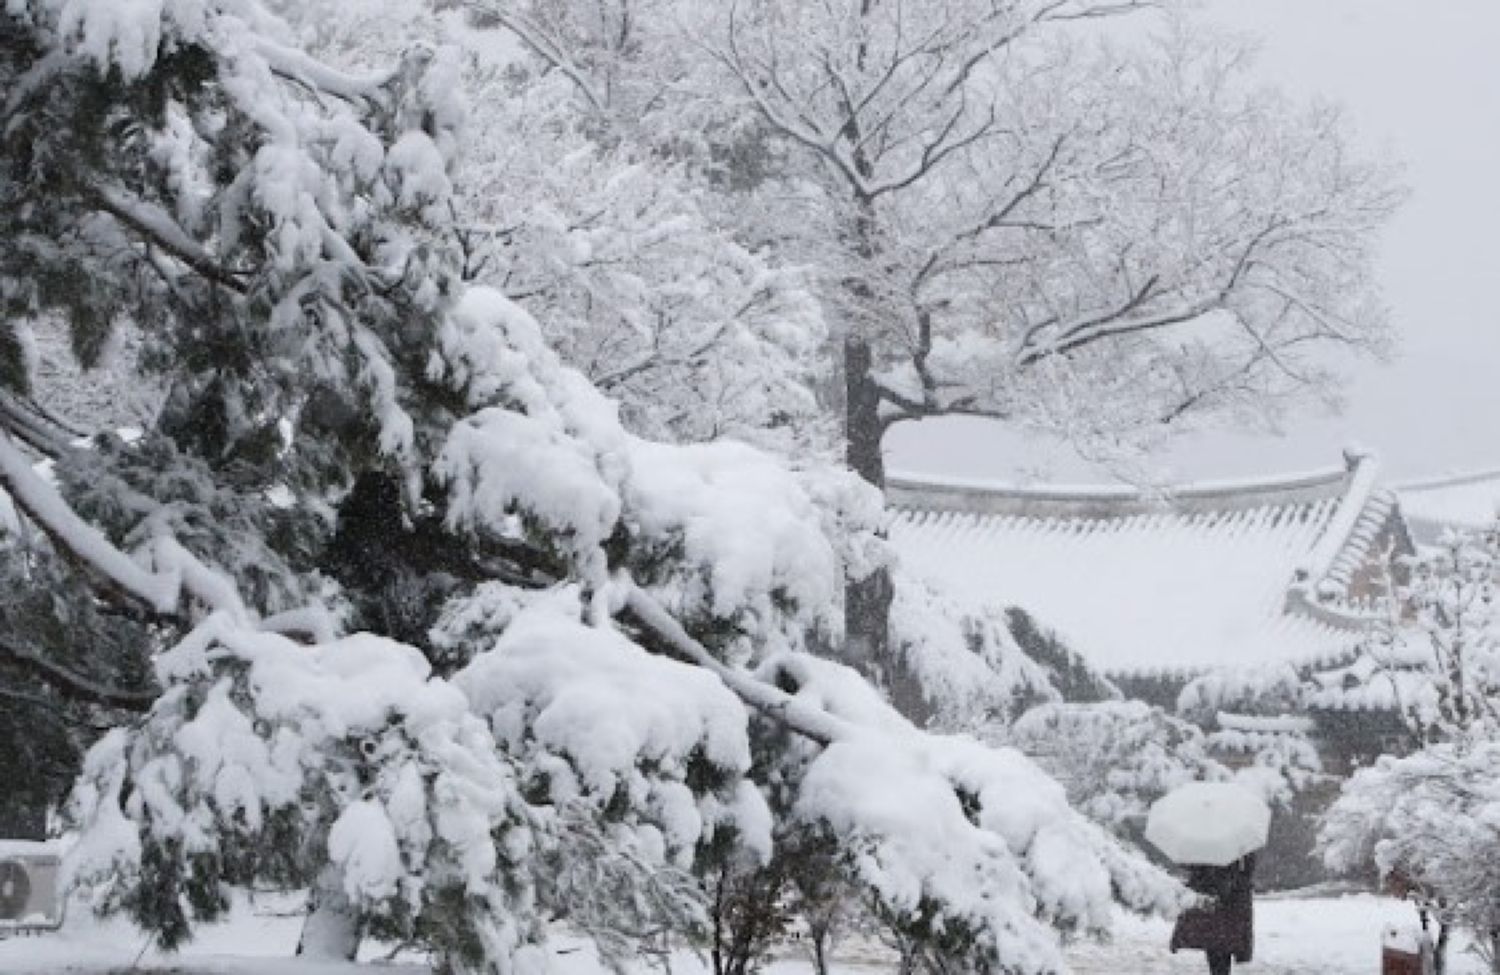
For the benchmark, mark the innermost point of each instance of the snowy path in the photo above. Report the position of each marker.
(1322, 936)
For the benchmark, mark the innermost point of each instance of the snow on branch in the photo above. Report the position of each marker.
(153, 223)
(669, 635)
(294, 65)
(161, 591)
(976, 839)
(80, 540)
(548, 48)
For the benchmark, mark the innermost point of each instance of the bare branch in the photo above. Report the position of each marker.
(548, 49)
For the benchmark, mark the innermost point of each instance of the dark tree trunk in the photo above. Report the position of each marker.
(862, 426)
(818, 934)
(867, 605)
(867, 602)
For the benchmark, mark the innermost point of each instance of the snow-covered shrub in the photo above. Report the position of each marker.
(1447, 636)
(951, 837)
(1115, 758)
(1271, 689)
(966, 665)
(1429, 823)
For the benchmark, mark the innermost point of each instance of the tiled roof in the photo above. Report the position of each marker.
(1197, 577)
(1463, 501)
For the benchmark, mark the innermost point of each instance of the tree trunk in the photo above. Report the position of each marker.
(867, 602)
(331, 931)
(867, 605)
(818, 935)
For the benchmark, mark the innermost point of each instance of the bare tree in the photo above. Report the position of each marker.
(1017, 223)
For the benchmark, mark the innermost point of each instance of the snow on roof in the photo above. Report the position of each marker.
(1259, 724)
(1469, 500)
(1176, 581)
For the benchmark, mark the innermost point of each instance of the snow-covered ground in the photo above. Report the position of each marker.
(1293, 936)
(1312, 936)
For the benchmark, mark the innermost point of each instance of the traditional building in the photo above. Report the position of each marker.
(1155, 589)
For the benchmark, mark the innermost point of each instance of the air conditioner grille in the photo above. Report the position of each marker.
(15, 890)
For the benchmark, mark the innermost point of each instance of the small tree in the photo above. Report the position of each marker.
(1447, 636)
(1438, 661)
(1427, 824)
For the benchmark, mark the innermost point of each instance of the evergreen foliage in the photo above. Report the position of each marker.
(406, 616)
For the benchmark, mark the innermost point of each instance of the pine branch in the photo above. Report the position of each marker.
(119, 575)
(28, 424)
(74, 686)
(667, 636)
(156, 226)
(80, 542)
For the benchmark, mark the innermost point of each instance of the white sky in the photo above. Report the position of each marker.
(1420, 80)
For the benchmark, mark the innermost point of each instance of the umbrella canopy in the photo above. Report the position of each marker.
(1210, 823)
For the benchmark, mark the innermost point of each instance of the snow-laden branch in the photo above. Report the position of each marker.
(27, 422)
(298, 66)
(547, 48)
(820, 726)
(179, 571)
(158, 227)
(84, 543)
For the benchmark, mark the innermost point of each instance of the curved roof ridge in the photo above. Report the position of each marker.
(1346, 540)
(1210, 488)
(1439, 481)
(938, 493)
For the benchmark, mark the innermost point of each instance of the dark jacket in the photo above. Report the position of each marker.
(1226, 925)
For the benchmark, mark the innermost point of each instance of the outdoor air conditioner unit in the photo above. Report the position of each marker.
(30, 887)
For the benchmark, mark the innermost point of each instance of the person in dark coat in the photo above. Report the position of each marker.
(1224, 928)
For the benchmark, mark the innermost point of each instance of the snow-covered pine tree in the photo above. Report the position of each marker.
(347, 421)
(595, 196)
(575, 204)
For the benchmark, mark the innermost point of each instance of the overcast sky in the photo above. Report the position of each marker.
(1420, 80)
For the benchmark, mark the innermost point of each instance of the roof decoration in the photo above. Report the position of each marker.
(1176, 581)
(1345, 545)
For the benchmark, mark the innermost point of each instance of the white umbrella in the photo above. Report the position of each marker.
(1210, 823)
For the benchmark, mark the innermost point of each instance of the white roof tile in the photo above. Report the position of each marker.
(1136, 583)
(1456, 501)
